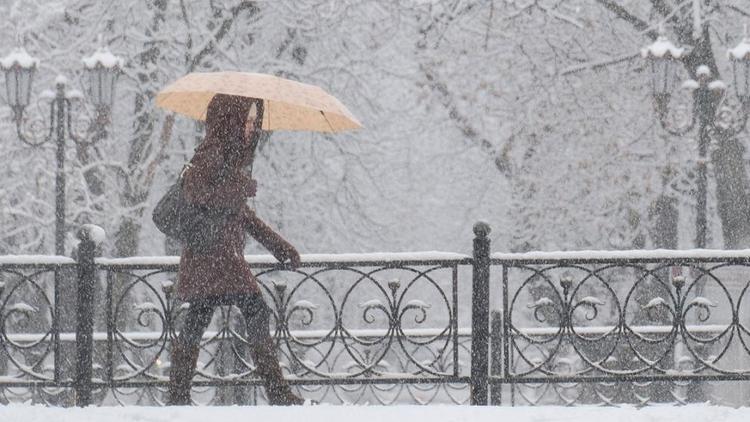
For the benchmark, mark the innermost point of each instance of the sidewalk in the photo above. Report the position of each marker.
(691, 413)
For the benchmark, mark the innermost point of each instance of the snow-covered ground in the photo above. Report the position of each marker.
(667, 413)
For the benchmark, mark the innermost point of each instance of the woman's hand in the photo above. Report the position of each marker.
(280, 248)
(288, 252)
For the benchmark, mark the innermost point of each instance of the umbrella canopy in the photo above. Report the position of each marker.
(288, 105)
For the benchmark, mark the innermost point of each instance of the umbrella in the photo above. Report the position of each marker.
(288, 105)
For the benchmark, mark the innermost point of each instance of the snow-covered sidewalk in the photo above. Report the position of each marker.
(692, 413)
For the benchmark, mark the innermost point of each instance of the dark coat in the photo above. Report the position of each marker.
(215, 178)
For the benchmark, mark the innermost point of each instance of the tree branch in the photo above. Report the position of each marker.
(739, 10)
(462, 122)
(622, 13)
(224, 28)
(598, 64)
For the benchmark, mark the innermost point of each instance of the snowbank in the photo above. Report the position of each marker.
(692, 413)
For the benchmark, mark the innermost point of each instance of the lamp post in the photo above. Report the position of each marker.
(663, 57)
(102, 70)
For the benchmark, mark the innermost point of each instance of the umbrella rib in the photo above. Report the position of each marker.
(327, 121)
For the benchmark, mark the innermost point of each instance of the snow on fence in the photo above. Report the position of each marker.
(518, 329)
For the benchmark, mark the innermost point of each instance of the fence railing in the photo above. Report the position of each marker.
(530, 329)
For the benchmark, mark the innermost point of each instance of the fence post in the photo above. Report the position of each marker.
(480, 315)
(91, 236)
(496, 354)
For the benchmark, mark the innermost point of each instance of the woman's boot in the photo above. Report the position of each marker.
(184, 359)
(267, 367)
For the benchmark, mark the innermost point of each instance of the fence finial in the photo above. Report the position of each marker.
(482, 229)
(92, 233)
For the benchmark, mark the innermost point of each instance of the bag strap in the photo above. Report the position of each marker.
(185, 168)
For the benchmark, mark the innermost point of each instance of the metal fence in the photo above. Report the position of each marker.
(530, 329)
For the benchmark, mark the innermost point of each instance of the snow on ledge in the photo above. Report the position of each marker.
(384, 256)
(306, 258)
(324, 413)
(376, 257)
(653, 254)
(35, 260)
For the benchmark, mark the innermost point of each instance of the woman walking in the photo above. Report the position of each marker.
(217, 274)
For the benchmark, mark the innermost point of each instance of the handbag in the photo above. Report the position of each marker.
(196, 226)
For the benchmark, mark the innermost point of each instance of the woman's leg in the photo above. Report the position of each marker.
(185, 349)
(263, 351)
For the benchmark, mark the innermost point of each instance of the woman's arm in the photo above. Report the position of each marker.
(260, 231)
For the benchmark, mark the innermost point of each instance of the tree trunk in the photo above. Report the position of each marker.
(732, 187)
(663, 216)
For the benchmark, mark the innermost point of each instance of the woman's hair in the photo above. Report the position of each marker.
(259, 109)
(225, 126)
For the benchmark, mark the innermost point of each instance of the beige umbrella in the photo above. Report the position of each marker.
(288, 105)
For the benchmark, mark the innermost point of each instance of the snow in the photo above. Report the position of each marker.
(717, 85)
(61, 80)
(591, 300)
(662, 48)
(741, 51)
(697, 20)
(35, 260)
(653, 303)
(652, 254)
(690, 84)
(375, 257)
(74, 94)
(19, 57)
(545, 301)
(93, 233)
(102, 57)
(703, 70)
(384, 256)
(304, 304)
(323, 413)
(141, 261)
(416, 303)
(22, 307)
(147, 306)
(47, 94)
(410, 332)
(702, 301)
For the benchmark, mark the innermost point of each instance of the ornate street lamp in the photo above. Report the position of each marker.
(740, 58)
(102, 69)
(19, 68)
(663, 57)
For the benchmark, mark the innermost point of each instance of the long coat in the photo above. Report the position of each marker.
(215, 178)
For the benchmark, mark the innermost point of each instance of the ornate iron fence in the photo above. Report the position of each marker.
(635, 326)
(539, 328)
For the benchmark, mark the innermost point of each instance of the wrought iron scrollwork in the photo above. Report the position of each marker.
(590, 327)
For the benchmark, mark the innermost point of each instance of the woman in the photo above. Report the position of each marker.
(217, 274)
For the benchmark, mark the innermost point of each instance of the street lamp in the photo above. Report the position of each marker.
(102, 70)
(740, 58)
(663, 57)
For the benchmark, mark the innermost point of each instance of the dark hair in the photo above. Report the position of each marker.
(225, 124)
(258, 124)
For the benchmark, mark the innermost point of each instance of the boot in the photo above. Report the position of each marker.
(268, 368)
(184, 359)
